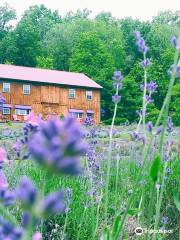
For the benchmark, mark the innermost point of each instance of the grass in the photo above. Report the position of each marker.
(86, 214)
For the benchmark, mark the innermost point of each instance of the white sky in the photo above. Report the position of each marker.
(142, 9)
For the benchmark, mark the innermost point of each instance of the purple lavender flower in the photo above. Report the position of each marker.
(117, 85)
(9, 198)
(140, 42)
(117, 76)
(88, 121)
(58, 145)
(137, 34)
(169, 124)
(140, 112)
(151, 86)
(165, 220)
(159, 130)
(145, 63)
(175, 42)
(25, 219)
(149, 126)
(149, 99)
(53, 204)
(3, 180)
(9, 232)
(139, 163)
(174, 70)
(26, 192)
(116, 98)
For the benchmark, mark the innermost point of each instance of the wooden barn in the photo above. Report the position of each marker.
(49, 92)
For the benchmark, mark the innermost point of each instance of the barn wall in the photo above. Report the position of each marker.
(50, 99)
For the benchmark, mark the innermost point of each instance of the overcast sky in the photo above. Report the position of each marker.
(142, 9)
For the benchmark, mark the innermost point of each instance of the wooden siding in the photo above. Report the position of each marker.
(51, 99)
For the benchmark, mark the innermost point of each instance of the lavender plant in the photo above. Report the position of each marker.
(157, 163)
(56, 145)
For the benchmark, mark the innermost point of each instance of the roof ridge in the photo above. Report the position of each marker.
(46, 69)
(50, 76)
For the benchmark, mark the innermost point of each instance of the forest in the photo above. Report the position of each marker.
(97, 47)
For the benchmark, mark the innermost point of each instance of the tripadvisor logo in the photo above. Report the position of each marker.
(138, 231)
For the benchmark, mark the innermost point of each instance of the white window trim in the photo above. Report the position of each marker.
(70, 93)
(5, 113)
(77, 115)
(21, 112)
(90, 94)
(26, 89)
(6, 89)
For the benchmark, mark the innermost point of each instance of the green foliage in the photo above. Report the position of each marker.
(45, 62)
(91, 56)
(7, 14)
(155, 168)
(95, 47)
(175, 104)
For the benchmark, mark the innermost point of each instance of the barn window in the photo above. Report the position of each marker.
(6, 87)
(90, 114)
(72, 93)
(76, 113)
(22, 110)
(89, 95)
(6, 111)
(26, 89)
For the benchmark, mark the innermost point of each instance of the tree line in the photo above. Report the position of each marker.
(97, 47)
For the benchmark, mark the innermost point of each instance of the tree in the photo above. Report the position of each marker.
(41, 18)
(168, 18)
(127, 26)
(8, 48)
(27, 44)
(91, 56)
(7, 14)
(45, 62)
(159, 39)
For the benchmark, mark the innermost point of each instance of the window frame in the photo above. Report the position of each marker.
(26, 91)
(19, 112)
(77, 115)
(72, 95)
(87, 94)
(6, 113)
(6, 89)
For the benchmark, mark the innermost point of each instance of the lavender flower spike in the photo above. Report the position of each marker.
(175, 42)
(117, 76)
(151, 86)
(58, 145)
(116, 98)
(177, 71)
(145, 63)
(26, 192)
(169, 124)
(149, 126)
(53, 204)
(140, 42)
